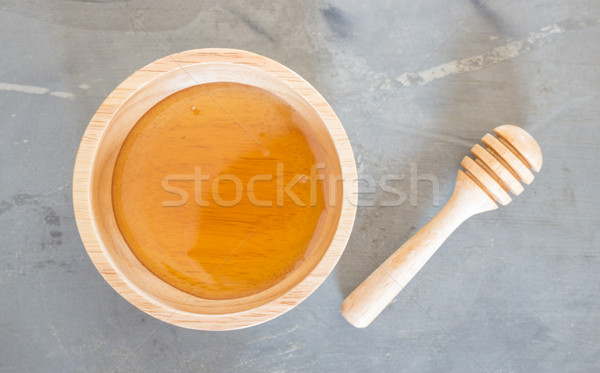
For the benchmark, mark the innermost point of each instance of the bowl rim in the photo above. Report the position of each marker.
(82, 190)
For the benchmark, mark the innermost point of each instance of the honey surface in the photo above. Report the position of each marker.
(183, 195)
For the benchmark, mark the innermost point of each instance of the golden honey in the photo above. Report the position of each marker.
(214, 190)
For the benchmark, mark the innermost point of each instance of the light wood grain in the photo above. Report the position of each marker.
(477, 190)
(96, 160)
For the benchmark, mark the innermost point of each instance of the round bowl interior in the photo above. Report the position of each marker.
(93, 185)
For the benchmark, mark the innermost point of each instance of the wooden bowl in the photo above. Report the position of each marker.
(92, 198)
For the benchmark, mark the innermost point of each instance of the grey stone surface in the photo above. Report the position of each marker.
(514, 290)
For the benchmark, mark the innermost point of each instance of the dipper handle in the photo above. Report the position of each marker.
(367, 301)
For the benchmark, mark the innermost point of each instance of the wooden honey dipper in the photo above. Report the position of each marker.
(496, 169)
